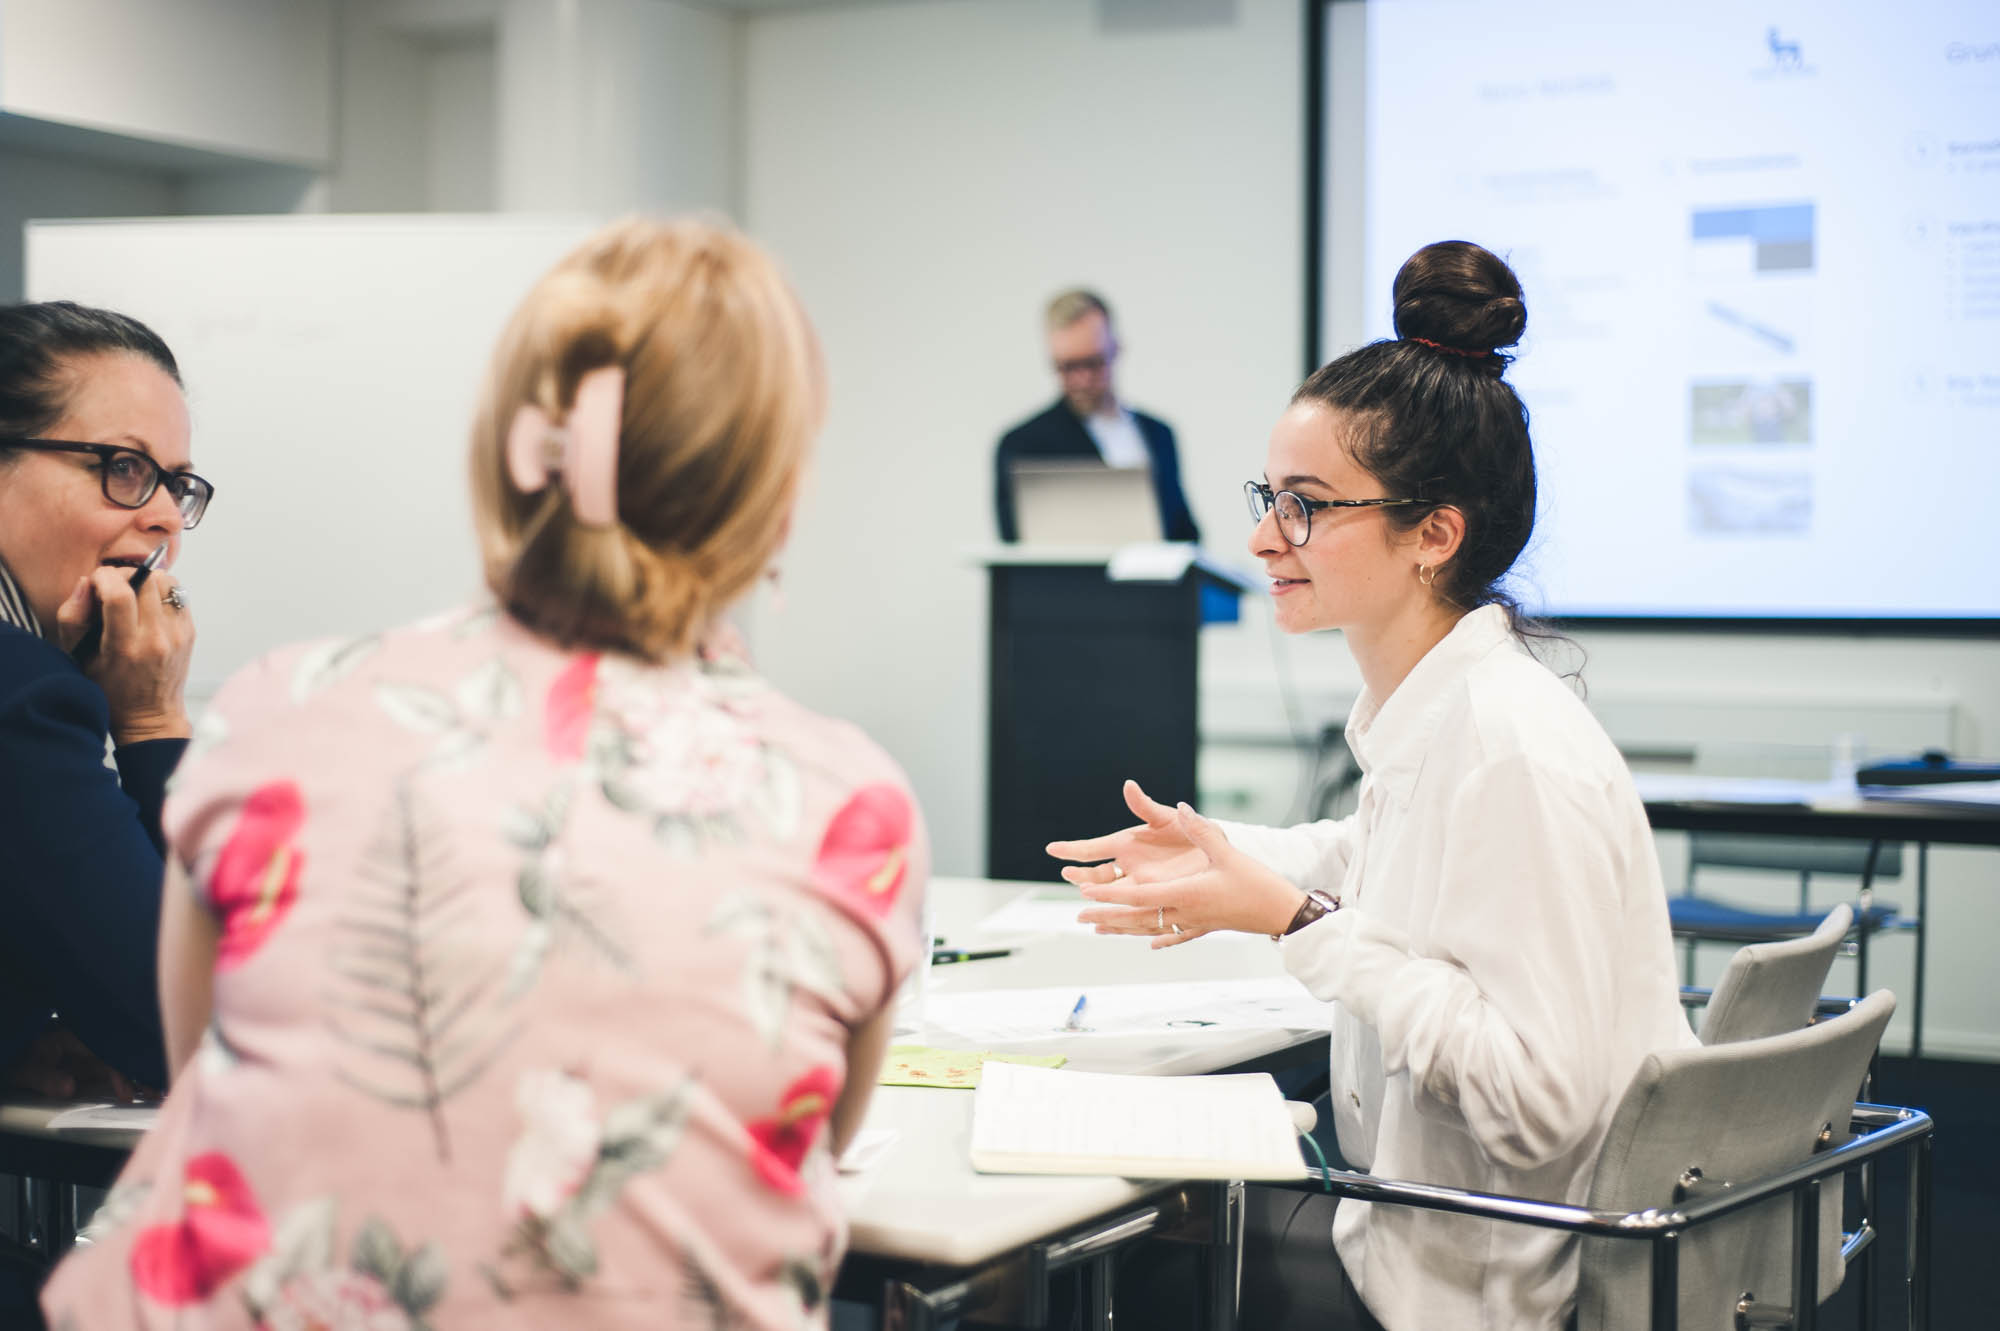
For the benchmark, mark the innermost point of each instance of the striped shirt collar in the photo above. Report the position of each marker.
(14, 607)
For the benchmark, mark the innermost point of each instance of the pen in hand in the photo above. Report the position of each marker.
(86, 646)
(1075, 1022)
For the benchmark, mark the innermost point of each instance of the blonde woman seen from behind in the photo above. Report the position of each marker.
(528, 966)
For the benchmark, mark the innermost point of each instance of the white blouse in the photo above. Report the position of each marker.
(1501, 963)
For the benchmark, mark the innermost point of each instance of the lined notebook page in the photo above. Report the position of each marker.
(1028, 1120)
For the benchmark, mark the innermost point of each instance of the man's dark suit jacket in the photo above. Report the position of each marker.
(1060, 433)
(80, 865)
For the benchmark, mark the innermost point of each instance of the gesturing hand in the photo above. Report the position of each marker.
(1184, 894)
(1157, 846)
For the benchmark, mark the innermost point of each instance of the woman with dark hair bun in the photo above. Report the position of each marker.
(1490, 923)
(94, 484)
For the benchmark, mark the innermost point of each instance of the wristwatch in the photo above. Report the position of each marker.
(1316, 904)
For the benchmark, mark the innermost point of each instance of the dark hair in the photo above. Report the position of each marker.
(38, 341)
(1430, 416)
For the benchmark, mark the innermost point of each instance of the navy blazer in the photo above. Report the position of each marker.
(81, 855)
(1061, 433)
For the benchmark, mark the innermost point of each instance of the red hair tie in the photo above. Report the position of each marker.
(1451, 351)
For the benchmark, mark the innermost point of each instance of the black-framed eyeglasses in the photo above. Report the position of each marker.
(129, 478)
(1295, 511)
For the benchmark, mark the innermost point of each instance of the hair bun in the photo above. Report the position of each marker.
(1460, 296)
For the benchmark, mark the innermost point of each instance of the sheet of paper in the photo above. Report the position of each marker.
(1034, 1120)
(1001, 1016)
(950, 1069)
(1043, 911)
(1959, 794)
(1735, 789)
(129, 1118)
(867, 1149)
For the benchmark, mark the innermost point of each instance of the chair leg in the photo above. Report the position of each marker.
(1923, 930)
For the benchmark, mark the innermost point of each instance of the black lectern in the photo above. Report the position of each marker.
(1090, 680)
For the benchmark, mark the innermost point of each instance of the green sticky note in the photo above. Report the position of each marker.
(954, 1069)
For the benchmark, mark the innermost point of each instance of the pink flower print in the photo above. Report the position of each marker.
(220, 1233)
(778, 1144)
(334, 1300)
(865, 853)
(256, 878)
(566, 711)
(557, 1147)
(684, 751)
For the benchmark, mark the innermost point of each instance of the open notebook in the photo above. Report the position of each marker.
(1028, 1120)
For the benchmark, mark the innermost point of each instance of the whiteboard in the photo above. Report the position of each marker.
(332, 364)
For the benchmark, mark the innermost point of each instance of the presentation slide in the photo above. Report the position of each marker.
(1761, 253)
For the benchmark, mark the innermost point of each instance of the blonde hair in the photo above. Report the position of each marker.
(1066, 307)
(723, 392)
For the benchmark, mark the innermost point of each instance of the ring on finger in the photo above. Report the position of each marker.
(1117, 870)
(174, 599)
(1177, 929)
(1159, 919)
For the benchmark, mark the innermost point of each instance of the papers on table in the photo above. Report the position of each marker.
(1003, 1016)
(867, 1149)
(1050, 1121)
(1951, 794)
(1043, 911)
(125, 1118)
(949, 1069)
(1736, 789)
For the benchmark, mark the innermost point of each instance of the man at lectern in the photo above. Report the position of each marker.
(1088, 422)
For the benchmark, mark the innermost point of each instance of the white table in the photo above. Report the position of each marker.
(924, 1206)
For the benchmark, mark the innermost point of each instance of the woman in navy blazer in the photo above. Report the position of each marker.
(94, 481)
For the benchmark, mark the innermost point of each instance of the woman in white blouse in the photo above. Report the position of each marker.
(1490, 922)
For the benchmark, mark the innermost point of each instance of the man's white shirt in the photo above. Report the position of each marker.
(1118, 440)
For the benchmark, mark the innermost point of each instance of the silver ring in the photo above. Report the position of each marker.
(174, 598)
(1179, 930)
(1159, 919)
(1117, 870)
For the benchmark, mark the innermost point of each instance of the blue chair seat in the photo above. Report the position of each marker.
(1706, 918)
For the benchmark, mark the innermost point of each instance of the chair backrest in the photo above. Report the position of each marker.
(1735, 1112)
(1736, 850)
(1770, 988)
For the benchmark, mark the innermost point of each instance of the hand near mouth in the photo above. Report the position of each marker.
(141, 661)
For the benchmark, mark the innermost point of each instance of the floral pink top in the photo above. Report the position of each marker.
(535, 981)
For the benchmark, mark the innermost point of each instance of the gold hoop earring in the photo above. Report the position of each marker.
(1427, 574)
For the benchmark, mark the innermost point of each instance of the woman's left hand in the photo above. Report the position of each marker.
(1230, 891)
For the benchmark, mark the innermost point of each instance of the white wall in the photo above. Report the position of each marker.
(608, 106)
(930, 174)
(250, 77)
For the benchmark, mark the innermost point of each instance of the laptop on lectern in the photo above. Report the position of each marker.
(1082, 502)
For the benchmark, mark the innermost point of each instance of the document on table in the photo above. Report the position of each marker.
(1044, 911)
(1736, 789)
(1028, 1120)
(1947, 794)
(1002, 1016)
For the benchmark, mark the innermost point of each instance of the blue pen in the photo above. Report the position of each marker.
(1075, 1022)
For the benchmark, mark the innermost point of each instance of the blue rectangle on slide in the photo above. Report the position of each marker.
(1786, 224)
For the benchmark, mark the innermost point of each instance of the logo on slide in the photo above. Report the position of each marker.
(1787, 57)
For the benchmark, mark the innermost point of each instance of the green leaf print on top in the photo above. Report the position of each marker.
(558, 910)
(298, 1286)
(418, 1010)
(566, 1168)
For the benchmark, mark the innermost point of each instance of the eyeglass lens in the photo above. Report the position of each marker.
(1294, 520)
(130, 479)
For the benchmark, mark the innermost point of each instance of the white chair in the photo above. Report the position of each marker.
(1704, 1209)
(1771, 988)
